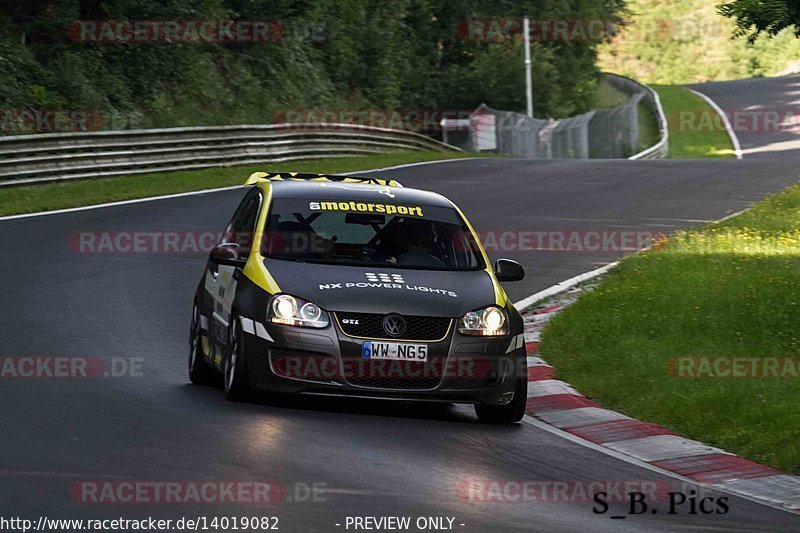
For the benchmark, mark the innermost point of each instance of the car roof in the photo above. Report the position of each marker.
(345, 188)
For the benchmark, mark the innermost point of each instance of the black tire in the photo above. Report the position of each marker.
(235, 380)
(505, 414)
(199, 371)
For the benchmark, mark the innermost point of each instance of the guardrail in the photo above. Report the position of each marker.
(660, 150)
(62, 156)
(607, 133)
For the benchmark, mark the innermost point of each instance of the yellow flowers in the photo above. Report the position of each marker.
(744, 240)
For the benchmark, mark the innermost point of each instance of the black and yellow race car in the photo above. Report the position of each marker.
(350, 286)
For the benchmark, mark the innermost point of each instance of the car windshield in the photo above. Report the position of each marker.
(370, 234)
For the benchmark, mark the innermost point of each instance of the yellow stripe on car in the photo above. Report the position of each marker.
(258, 177)
(254, 269)
(500, 297)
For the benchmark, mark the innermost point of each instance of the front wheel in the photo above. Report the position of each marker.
(506, 414)
(199, 372)
(236, 382)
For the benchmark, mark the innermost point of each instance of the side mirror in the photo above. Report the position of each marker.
(508, 270)
(227, 254)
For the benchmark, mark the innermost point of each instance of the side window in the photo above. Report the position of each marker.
(242, 226)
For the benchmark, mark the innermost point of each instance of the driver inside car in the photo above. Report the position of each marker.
(415, 245)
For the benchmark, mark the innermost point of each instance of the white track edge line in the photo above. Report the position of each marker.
(407, 165)
(737, 146)
(736, 214)
(121, 202)
(535, 422)
(563, 286)
(203, 191)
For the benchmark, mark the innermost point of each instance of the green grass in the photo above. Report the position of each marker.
(608, 96)
(731, 289)
(46, 197)
(649, 133)
(695, 130)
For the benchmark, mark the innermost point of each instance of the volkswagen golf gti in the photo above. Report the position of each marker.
(351, 286)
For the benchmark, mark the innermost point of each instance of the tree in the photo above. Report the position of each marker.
(768, 16)
(331, 54)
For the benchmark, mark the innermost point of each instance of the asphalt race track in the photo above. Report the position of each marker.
(374, 458)
(763, 113)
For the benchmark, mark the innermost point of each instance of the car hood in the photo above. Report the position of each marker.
(384, 290)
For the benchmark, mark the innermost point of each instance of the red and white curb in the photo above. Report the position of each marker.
(558, 404)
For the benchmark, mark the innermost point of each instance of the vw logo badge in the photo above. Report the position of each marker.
(394, 325)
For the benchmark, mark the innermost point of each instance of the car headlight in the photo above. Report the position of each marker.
(292, 311)
(489, 321)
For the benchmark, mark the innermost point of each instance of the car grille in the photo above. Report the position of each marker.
(399, 375)
(419, 328)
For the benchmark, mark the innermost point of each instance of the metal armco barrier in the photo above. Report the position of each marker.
(660, 150)
(62, 156)
(611, 133)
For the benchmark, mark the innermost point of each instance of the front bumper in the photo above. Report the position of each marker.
(460, 369)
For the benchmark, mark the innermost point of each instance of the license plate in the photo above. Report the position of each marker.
(394, 350)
